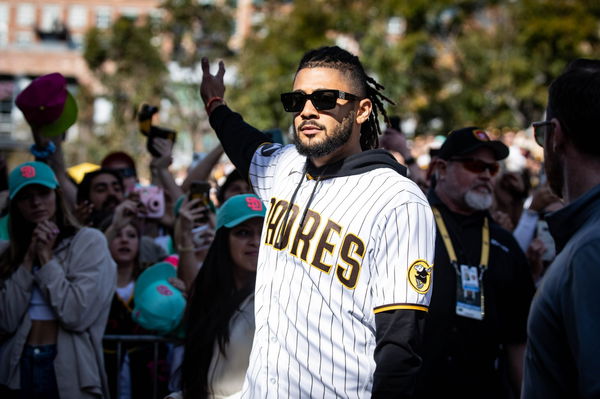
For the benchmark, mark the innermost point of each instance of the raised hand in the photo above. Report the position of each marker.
(165, 148)
(83, 212)
(212, 85)
(191, 215)
(126, 212)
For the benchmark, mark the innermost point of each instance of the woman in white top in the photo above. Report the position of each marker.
(220, 314)
(56, 283)
(136, 378)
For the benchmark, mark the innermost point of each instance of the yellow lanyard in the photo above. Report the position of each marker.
(485, 240)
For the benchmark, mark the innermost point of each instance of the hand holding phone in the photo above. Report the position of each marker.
(200, 190)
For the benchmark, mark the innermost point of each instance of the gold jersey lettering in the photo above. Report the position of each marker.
(325, 245)
(314, 239)
(352, 245)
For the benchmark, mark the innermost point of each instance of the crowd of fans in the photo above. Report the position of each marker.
(75, 256)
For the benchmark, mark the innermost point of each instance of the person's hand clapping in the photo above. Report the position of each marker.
(44, 238)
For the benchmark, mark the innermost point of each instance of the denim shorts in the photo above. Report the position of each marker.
(38, 380)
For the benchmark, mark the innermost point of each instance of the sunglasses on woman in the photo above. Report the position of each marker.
(322, 100)
(477, 165)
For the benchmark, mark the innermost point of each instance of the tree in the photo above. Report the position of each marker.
(127, 61)
(446, 63)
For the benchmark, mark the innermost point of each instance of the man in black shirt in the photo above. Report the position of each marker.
(482, 284)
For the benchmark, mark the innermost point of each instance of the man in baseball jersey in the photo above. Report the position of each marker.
(344, 271)
(563, 356)
(483, 285)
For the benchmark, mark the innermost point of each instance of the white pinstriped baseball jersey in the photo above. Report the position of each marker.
(366, 245)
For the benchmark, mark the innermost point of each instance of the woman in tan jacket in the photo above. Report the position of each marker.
(56, 284)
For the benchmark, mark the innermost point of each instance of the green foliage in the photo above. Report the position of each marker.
(131, 69)
(197, 30)
(448, 64)
(454, 63)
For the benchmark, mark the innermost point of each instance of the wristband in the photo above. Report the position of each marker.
(210, 101)
(42, 152)
(191, 248)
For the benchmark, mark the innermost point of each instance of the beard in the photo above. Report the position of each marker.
(478, 201)
(331, 142)
(110, 203)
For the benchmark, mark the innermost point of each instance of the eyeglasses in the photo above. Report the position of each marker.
(321, 99)
(477, 165)
(540, 129)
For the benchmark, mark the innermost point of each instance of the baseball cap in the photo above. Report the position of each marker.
(30, 173)
(47, 104)
(238, 209)
(158, 305)
(468, 139)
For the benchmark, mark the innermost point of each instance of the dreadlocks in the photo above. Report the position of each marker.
(336, 58)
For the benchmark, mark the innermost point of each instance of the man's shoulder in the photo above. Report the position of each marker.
(271, 149)
(274, 154)
(390, 181)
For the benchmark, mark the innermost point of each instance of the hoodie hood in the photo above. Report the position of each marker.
(354, 165)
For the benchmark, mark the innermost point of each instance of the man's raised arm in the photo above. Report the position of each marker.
(239, 139)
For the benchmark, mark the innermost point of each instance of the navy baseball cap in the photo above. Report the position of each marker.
(468, 139)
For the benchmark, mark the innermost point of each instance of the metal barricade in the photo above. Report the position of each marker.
(155, 339)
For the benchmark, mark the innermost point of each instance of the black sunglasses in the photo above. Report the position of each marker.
(477, 165)
(321, 99)
(540, 129)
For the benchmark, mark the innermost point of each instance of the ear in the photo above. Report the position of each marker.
(365, 106)
(440, 169)
(559, 139)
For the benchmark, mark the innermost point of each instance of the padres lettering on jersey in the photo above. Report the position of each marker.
(365, 244)
(311, 241)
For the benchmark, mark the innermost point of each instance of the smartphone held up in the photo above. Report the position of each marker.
(200, 190)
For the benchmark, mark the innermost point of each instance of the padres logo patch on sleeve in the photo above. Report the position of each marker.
(419, 276)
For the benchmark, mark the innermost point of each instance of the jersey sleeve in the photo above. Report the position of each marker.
(263, 168)
(404, 253)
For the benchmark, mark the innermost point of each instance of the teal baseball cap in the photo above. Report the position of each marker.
(158, 306)
(30, 173)
(238, 209)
